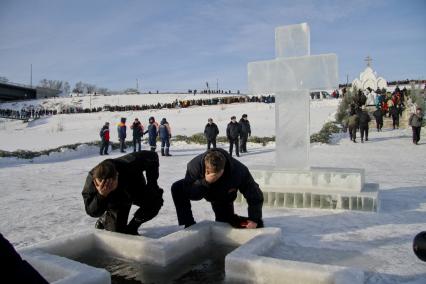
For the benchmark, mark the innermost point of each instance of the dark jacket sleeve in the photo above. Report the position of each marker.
(249, 128)
(145, 161)
(94, 203)
(254, 196)
(217, 129)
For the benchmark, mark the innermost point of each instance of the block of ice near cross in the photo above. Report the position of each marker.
(143, 259)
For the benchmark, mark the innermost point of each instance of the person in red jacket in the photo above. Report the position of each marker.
(104, 133)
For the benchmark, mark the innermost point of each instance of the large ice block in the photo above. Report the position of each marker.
(296, 73)
(292, 129)
(292, 41)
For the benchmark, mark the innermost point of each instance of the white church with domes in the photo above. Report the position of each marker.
(368, 78)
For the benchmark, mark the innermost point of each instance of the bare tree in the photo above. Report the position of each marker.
(51, 84)
(102, 91)
(79, 88)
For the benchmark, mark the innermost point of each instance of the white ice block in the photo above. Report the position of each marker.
(296, 73)
(292, 41)
(292, 129)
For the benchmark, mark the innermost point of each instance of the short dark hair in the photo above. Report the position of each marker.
(105, 170)
(216, 160)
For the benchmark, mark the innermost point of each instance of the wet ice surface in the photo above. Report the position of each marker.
(206, 266)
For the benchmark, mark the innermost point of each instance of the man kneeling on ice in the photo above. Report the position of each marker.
(115, 184)
(216, 177)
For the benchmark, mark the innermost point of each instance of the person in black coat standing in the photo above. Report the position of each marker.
(210, 132)
(394, 112)
(378, 115)
(245, 133)
(364, 119)
(114, 185)
(138, 130)
(233, 131)
(216, 177)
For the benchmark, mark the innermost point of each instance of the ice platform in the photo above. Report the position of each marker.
(323, 188)
(247, 263)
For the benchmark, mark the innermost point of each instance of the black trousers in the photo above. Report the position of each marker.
(395, 121)
(243, 144)
(104, 147)
(211, 142)
(136, 141)
(182, 196)
(231, 146)
(416, 134)
(364, 132)
(379, 125)
(122, 144)
(352, 133)
(115, 219)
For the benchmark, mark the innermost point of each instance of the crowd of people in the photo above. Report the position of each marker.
(391, 104)
(38, 112)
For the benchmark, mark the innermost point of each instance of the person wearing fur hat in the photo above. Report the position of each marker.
(152, 133)
(245, 133)
(233, 131)
(165, 135)
(416, 121)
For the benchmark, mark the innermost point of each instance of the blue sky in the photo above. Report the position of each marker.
(178, 45)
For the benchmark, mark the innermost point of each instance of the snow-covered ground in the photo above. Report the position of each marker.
(65, 129)
(41, 199)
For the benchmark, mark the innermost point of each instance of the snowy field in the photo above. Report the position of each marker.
(58, 130)
(41, 199)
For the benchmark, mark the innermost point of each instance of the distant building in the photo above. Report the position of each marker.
(368, 78)
(15, 92)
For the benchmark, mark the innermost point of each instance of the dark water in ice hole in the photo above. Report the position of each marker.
(205, 266)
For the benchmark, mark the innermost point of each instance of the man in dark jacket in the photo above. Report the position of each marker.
(114, 185)
(364, 119)
(165, 133)
(353, 124)
(394, 112)
(378, 115)
(245, 133)
(152, 133)
(216, 177)
(104, 133)
(121, 129)
(210, 132)
(137, 128)
(233, 131)
(14, 268)
(416, 121)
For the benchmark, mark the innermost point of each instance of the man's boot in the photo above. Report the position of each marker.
(133, 226)
(153, 148)
(162, 151)
(167, 152)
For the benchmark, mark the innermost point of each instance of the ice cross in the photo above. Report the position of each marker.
(290, 76)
